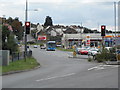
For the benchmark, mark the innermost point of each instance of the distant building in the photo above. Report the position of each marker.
(68, 40)
(70, 31)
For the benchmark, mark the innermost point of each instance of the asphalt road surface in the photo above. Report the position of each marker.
(59, 71)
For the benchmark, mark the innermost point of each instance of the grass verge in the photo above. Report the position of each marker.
(30, 63)
(62, 49)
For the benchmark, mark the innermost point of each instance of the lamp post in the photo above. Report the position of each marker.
(115, 17)
(26, 20)
(26, 14)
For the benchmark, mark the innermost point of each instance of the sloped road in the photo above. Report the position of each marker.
(59, 71)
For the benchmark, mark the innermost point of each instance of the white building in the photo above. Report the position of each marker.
(68, 40)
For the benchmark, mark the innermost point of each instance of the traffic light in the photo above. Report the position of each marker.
(27, 27)
(103, 30)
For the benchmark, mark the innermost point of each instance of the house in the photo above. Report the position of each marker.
(79, 29)
(70, 31)
(39, 29)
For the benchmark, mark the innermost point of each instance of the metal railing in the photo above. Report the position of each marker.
(20, 55)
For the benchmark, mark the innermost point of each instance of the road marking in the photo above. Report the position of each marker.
(92, 68)
(101, 67)
(49, 78)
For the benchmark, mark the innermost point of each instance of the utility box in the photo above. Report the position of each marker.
(5, 57)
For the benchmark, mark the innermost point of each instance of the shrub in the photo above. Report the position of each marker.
(30, 42)
(106, 55)
(41, 44)
(89, 59)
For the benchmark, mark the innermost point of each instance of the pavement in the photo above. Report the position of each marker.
(112, 62)
(82, 57)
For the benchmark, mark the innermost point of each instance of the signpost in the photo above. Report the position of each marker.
(88, 40)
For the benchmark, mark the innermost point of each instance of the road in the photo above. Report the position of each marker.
(59, 71)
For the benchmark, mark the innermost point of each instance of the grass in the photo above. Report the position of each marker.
(20, 65)
(62, 49)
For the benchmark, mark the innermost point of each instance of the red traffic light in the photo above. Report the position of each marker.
(27, 23)
(103, 27)
(27, 27)
(103, 30)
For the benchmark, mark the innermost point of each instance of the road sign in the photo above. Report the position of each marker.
(88, 40)
(41, 37)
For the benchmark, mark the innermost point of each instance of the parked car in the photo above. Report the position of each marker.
(93, 52)
(108, 48)
(35, 46)
(59, 45)
(78, 50)
(42, 47)
(83, 51)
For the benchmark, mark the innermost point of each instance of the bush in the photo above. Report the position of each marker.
(89, 59)
(106, 55)
(112, 50)
(30, 42)
(118, 47)
(41, 44)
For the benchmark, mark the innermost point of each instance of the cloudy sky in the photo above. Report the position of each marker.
(89, 13)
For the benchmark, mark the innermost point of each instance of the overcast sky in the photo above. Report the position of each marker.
(91, 13)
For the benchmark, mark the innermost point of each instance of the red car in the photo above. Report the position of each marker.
(83, 52)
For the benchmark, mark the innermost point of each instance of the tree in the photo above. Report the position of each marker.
(11, 44)
(9, 20)
(8, 42)
(5, 33)
(17, 28)
(48, 21)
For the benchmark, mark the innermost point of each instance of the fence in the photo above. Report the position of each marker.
(20, 55)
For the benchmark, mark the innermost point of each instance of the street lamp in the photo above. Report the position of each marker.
(25, 54)
(26, 26)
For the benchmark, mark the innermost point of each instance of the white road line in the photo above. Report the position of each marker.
(49, 78)
(101, 67)
(92, 68)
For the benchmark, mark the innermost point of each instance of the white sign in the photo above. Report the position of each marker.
(41, 37)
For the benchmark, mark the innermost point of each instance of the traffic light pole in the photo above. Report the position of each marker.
(103, 32)
(25, 30)
(103, 42)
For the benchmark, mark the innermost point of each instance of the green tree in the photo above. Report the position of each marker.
(9, 20)
(11, 44)
(5, 33)
(48, 21)
(8, 42)
(17, 28)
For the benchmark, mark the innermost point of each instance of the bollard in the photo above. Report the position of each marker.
(118, 57)
(74, 54)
